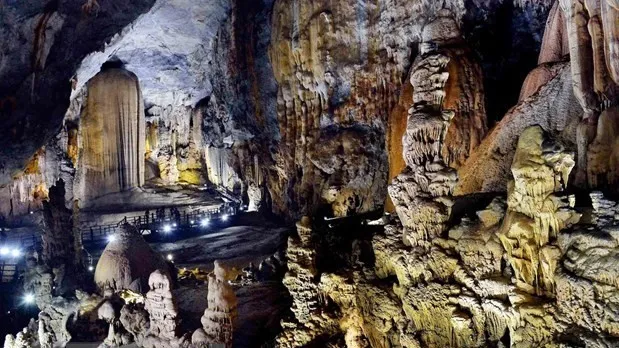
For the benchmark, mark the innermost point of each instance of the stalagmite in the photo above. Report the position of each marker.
(161, 307)
(113, 134)
(220, 316)
(439, 134)
(61, 247)
(310, 317)
(535, 214)
(127, 262)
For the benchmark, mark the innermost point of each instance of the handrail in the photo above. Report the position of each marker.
(96, 233)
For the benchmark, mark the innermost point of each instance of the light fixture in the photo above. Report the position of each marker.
(90, 268)
(167, 228)
(4, 251)
(192, 222)
(111, 238)
(170, 257)
(31, 212)
(16, 252)
(174, 224)
(224, 217)
(205, 222)
(29, 298)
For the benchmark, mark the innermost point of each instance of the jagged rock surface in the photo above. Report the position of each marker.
(553, 107)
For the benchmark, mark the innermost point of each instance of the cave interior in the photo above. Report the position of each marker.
(309, 173)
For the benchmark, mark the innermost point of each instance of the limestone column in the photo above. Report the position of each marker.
(113, 134)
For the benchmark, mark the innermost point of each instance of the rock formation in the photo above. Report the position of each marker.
(55, 311)
(592, 28)
(162, 311)
(319, 109)
(311, 320)
(535, 213)
(62, 247)
(153, 320)
(24, 339)
(113, 134)
(127, 262)
(116, 336)
(220, 316)
(440, 133)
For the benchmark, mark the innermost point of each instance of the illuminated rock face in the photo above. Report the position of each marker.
(442, 129)
(113, 134)
(535, 214)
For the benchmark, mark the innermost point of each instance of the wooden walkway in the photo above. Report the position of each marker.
(97, 236)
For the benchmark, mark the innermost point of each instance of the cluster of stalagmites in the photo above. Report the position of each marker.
(50, 330)
(151, 320)
(529, 269)
(523, 271)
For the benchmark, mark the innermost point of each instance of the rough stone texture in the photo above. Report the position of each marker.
(535, 214)
(439, 133)
(338, 64)
(310, 317)
(61, 241)
(457, 292)
(161, 308)
(555, 44)
(210, 65)
(45, 284)
(592, 28)
(116, 336)
(127, 262)
(24, 339)
(291, 102)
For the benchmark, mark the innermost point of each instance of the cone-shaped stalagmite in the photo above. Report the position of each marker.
(113, 134)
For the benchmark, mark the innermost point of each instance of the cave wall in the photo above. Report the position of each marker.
(43, 44)
(271, 81)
